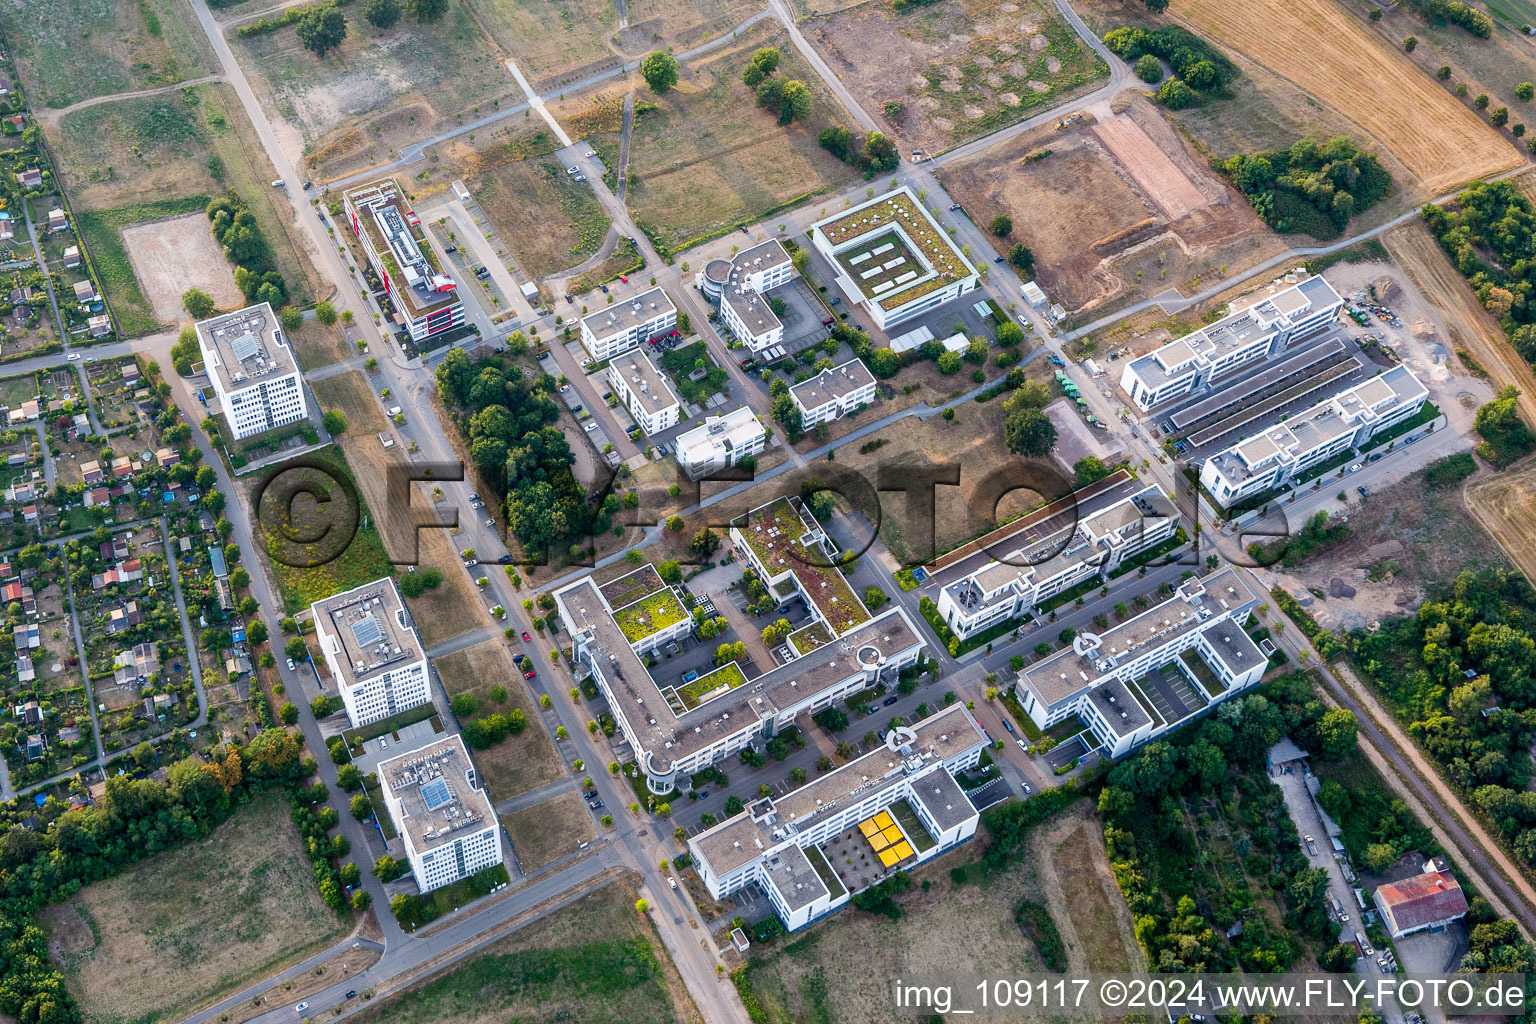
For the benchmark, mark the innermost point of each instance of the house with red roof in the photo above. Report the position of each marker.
(1428, 901)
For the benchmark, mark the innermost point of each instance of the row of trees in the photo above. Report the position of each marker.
(1203, 72)
(1489, 233)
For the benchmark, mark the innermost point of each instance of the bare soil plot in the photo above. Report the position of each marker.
(192, 924)
(677, 25)
(1328, 54)
(594, 961)
(378, 91)
(709, 158)
(956, 70)
(518, 763)
(551, 829)
(1117, 208)
(553, 42)
(1100, 921)
(170, 256)
(72, 50)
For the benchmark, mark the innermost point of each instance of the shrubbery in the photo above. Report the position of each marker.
(1311, 187)
(1203, 72)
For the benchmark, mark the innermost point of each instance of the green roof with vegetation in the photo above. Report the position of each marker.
(650, 615)
(632, 586)
(921, 239)
(774, 533)
(810, 637)
(727, 676)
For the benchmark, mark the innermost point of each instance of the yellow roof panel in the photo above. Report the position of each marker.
(902, 850)
(888, 857)
(884, 820)
(878, 841)
(892, 834)
(868, 827)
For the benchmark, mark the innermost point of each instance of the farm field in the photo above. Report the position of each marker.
(192, 924)
(519, 185)
(1505, 505)
(550, 829)
(1329, 55)
(1115, 209)
(378, 91)
(708, 158)
(518, 763)
(595, 960)
(958, 70)
(131, 161)
(838, 970)
(73, 50)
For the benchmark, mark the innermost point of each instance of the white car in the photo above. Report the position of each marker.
(279, 183)
(564, 388)
(477, 504)
(301, 1007)
(672, 881)
(470, 563)
(573, 170)
(73, 357)
(586, 360)
(589, 426)
(490, 522)
(290, 664)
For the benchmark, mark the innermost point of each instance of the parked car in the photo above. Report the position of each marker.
(672, 881)
(564, 388)
(301, 1007)
(1363, 492)
(526, 638)
(953, 207)
(623, 279)
(589, 426)
(290, 664)
(1007, 725)
(1374, 457)
(573, 170)
(889, 701)
(470, 563)
(998, 260)
(490, 522)
(477, 504)
(450, 248)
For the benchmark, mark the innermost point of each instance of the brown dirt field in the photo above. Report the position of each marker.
(1168, 187)
(456, 606)
(172, 255)
(518, 763)
(1505, 505)
(318, 346)
(1096, 911)
(1471, 328)
(551, 829)
(194, 923)
(1320, 48)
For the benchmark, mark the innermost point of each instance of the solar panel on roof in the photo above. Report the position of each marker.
(436, 794)
(366, 631)
(245, 347)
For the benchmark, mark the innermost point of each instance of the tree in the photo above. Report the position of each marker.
(775, 634)
(382, 14)
(1156, 6)
(705, 542)
(197, 303)
(1088, 469)
(1174, 94)
(874, 598)
(361, 810)
(1525, 91)
(659, 71)
(1029, 432)
(1020, 258)
(766, 59)
(675, 523)
(1411, 43)
(1336, 733)
(290, 319)
(334, 421)
(1149, 69)
(949, 363)
(1481, 102)
(1443, 73)
(426, 10)
(1339, 959)
(1001, 225)
(321, 29)
(794, 102)
(325, 313)
(1498, 116)
(288, 713)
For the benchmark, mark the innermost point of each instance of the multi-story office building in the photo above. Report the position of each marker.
(441, 812)
(833, 394)
(1257, 332)
(892, 258)
(792, 555)
(681, 724)
(627, 323)
(252, 370)
(1279, 455)
(1144, 677)
(373, 651)
(1011, 571)
(720, 442)
(425, 297)
(901, 799)
(644, 391)
(740, 285)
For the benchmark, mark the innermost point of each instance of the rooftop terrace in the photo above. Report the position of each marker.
(928, 259)
(776, 534)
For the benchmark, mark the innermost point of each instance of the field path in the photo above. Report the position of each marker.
(53, 117)
(1325, 52)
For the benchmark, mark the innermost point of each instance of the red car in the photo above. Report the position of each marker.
(623, 279)
(526, 638)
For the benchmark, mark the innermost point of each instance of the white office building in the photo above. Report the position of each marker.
(644, 391)
(892, 258)
(793, 556)
(252, 370)
(1208, 356)
(434, 797)
(627, 323)
(739, 286)
(833, 394)
(374, 654)
(1279, 455)
(720, 442)
(425, 297)
(1012, 571)
(1146, 676)
(901, 800)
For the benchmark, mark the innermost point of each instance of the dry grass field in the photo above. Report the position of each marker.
(1329, 55)
(551, 829)
(841, 969)
(958, 70)
(72, 50)
(378, 91)
(1505, 505)
(708, 157)
(455, 607)
(169, 256)
(595, 961)
(192, 924)
(1119, 209)
(318, 346)
(518, 763)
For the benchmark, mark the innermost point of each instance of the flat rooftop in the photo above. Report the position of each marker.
(797, 880)
(627, 314)
(892, 250)
(831, 385)
(944, 800)
(246, 347)
(751, 307)
(420, 284)
(432, 786)
(1122, 710)
(776, 534)
(1235, 648)
(371, 625)
(645, 382)
(735, 429)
